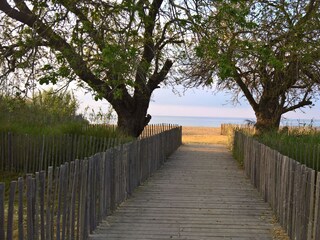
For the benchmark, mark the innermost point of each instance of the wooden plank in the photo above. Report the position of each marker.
(30, 210)
(65, 199)
(83, 201)
(188, 199)
(20, 208)
(60, 201)
(291, 171)
(54, 201)
(2, 191)
(303, 203)
(36, 206)
(49, 210)
(90, 193)
(311, 198)
(316, 226)
(42, 179)
(108, 181)
(283, 205)
(12, 192)
(68, 199)
(73, 199)
(102, 197)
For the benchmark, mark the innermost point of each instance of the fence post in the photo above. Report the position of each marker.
(30, 209)
(316, 225)
(2, 191)
(11, 210)
(20, 208)
(67, 202)
(83, 200)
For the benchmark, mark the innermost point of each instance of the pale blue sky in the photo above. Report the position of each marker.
(199, 103)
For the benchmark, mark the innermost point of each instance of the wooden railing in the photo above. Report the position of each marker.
(68, 202)
(23, 153)
(291, 188)
(27, 153)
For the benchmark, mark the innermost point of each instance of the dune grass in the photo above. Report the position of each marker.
(300, 144)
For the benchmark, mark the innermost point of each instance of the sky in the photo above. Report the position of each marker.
(198, 103)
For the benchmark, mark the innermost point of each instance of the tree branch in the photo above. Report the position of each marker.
(56, 42)
(157, 78)
(299, 105)
(93, 33)
(148, 47)
(246, 91)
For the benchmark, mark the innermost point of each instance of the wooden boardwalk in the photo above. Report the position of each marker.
(200, 193)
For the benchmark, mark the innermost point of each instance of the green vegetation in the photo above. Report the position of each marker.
(120, 50)
(48, 113)
(47, 131)
(45, 113)
(300, 144)
(265, 51)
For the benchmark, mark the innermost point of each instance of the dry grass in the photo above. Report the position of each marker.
(203, 135)
(278, 233)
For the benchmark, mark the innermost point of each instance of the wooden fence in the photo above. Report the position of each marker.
(291, 188)
(26, 153)
(69, 201)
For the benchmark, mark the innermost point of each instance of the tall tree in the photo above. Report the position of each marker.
(267, 51)
(120, 49)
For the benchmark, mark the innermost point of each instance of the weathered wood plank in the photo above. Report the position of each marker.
(12, 193)
(316, 226)
(200, 193)
(2, 190)
(30, 209)
(20, 208)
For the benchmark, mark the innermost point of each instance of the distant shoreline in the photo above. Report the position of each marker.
(196, 121)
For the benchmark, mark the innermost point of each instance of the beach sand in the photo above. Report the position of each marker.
(203, 135)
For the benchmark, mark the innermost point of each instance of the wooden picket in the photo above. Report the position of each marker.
(68, 201)
(291, 188)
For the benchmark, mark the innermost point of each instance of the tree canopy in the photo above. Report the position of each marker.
(122, 50)
(267, 51)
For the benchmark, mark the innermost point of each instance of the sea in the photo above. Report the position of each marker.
(217, 121)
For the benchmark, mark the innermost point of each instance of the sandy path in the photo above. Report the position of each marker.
(203, 135)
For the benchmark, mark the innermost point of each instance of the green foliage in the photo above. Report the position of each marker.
(238, 155)
(50, 113)
(265, 51)
(300, 144)
(120, 50)
(6, 177)
(41, 114)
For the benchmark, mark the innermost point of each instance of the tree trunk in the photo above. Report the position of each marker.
(132, 123)
(267, 120)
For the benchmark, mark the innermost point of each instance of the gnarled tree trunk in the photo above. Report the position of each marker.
(132, 116)
(132, 124)
(268, 114)
(267, 121)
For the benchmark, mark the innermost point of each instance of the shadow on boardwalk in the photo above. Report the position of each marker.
(200, 193)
